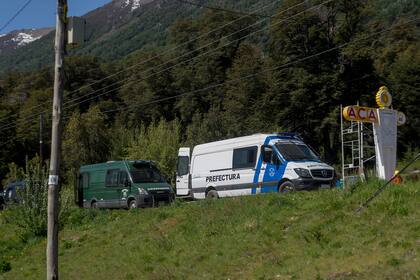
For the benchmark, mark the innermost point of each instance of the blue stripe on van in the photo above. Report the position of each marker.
(259, 164)
(273, 173)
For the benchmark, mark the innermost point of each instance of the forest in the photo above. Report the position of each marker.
(220, 75)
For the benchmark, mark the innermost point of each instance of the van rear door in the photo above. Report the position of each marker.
(183, 172)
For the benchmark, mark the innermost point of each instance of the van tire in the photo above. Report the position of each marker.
(212, 194)
(287, 186)
(132, 204)
(94, 204)
(171, 199)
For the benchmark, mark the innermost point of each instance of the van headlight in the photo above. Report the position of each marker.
(302, 172)
(142, 191)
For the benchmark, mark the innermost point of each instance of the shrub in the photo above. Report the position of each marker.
(5, 266)
(30, 213)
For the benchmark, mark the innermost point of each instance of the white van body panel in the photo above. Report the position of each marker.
(183, 180)
(211, 167)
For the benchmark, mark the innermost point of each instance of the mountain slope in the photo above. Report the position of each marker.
(117, 29)
(19, 38)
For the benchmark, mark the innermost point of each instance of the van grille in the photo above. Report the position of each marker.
(322, 173)
(162, 195)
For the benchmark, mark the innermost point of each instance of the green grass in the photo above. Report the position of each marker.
(305, 235)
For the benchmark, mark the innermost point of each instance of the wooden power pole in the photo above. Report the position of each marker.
(41, 142)
(60, 43)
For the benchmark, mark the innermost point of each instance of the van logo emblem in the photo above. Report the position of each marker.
(272, 172)
(324, 173)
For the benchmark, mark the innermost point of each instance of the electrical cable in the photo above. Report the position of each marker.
(15, 15)
(2, 128)
(176, 58)
(221, 9)
(284, 66)
(261, 72)
(382, 188)
(157, 56)
(191, 59)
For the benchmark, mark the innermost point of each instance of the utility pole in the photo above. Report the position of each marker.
(52, 242)
(41, 152)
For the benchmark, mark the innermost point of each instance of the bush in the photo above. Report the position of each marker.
(5, 266)
(30, 214)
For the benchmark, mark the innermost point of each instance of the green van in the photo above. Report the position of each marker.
(122, 184)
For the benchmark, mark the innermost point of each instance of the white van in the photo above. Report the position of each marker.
(252, 164)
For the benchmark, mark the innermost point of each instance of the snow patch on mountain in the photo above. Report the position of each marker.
(23, 39)
(135, 4)
(2, 35)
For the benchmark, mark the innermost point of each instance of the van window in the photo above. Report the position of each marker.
(293, 151)
(123, 178)
(84, 180)
(182, 167)
(146, 174)
(112, 178)
(245, 157)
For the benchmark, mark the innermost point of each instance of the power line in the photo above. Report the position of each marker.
(382, 188)
(281, 67)
(193, 51)
(96, 96)
(153, 58)
(15, 15)
(222, 9)
(9, 126)
(176, 58)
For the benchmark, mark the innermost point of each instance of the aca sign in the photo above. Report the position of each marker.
(385, 121)
(360, 114)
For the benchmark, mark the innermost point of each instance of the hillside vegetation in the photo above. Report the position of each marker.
(218, 75)
(113, 32)
(305, 235)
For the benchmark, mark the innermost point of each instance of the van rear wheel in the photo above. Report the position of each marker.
(212, 194)
(287, 187)
(94, 204)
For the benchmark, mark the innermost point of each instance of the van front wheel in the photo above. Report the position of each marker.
(132, 204)
(212, 194)
(287, 186)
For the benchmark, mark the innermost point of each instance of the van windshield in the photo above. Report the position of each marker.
(294, 151)
(146, 174)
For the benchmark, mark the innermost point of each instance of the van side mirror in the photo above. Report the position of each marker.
(127, 183)
(267, 153)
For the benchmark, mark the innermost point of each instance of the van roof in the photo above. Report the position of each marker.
(243, 141)
(111, 164)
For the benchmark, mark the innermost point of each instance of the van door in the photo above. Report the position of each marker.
(81, 185)
(110, 197)
(243, 167)
(124, 189)
(274, 169)
(183, 172)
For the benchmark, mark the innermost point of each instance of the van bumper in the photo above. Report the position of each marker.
(144, 201)
(311, 184)
(154, 198)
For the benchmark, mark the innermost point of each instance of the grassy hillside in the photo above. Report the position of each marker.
(306, 235)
